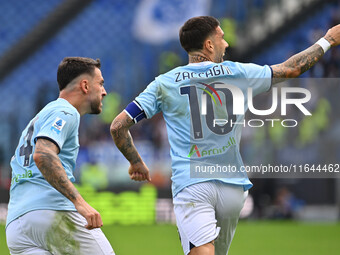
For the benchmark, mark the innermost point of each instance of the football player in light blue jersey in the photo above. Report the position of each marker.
(192, 98)
(46, 213)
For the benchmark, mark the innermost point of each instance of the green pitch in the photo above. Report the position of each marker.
(256, 238)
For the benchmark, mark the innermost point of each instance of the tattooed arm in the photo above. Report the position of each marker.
(46, 158)
(119, 129)
(297, 64)
(301, 62)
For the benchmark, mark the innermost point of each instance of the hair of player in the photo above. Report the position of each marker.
(71, 67)
(195, 31)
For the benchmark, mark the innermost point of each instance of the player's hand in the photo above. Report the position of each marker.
(139, 172)
(333, 35)
(92, 217)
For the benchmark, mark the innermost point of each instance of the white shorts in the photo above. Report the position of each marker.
(208, 211)
(45, 232)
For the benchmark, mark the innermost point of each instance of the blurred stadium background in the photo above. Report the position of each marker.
(137, 40)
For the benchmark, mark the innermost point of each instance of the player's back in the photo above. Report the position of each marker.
(192, 99)
(57, 122)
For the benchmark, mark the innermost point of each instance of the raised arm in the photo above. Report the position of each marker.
(120, 133)
(301, 62)
(46, 158)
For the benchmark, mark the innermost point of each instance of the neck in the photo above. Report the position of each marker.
(72, 99)
(198, 57)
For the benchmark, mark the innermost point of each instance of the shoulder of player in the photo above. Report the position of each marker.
(55, 111)
(239, 68)
(65, 109)
(169, 76)
(174, 71)
(234, 65)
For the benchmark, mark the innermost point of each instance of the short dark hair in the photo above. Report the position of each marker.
(195, 31)
(71, 67)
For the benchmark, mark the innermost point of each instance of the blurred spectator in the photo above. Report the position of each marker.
(286, 204)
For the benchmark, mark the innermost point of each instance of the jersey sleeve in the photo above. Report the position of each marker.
(147, 104)
(58, 126)
(259, 77)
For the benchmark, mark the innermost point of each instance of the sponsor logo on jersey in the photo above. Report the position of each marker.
(18, 177)
(213, 151)
(67, 113)
(58, 125)
(194, 148)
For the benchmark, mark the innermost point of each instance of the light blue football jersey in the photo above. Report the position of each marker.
(58, 122)
(203, 105)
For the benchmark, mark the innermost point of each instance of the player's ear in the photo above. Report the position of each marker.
(84, 85)
(208, 44)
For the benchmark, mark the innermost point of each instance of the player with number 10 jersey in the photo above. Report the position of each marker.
(192, 98)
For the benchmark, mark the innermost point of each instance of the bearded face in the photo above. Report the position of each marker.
(97, 92)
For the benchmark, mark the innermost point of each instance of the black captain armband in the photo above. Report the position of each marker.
(135, 111)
